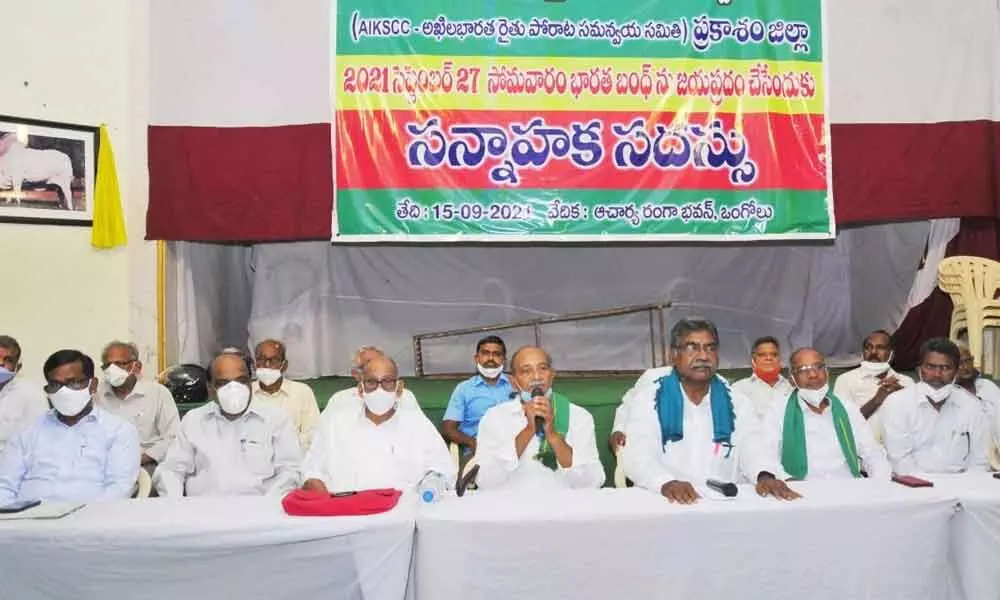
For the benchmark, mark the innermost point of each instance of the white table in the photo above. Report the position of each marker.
(975, 536)
(843, 540)
(241, 548)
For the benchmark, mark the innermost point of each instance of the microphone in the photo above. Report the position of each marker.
(726, 488)
(539, 421)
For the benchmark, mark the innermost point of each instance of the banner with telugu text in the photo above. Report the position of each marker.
(527, 120)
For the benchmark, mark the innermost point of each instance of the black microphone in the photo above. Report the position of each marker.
(539, 421)
(726, 488)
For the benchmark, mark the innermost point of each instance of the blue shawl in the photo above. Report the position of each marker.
(670, 409)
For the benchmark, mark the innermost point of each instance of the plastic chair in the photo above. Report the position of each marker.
(456, 455)
(620, 481)
(144, 485)
(972, 283)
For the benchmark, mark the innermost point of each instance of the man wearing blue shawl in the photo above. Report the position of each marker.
(689, 426)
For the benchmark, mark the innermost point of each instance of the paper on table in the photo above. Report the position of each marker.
(45, 510)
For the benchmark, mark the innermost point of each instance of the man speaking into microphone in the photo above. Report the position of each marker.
(541, 441)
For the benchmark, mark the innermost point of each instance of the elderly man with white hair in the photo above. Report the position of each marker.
(351, 398)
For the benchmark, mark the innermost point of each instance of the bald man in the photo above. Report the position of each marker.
(816, 435)
(375, 443)
(350, 398)
(542, 441)
(232, 445)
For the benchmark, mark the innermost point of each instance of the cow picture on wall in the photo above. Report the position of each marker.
(47, 171)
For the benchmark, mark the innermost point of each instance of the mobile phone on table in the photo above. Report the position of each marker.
(19, 506)
(911, 481)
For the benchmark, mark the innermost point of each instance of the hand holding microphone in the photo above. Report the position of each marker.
(536, 393)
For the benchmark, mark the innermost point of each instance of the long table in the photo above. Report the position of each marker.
(842, 540)
(241, 548)
(975, 534)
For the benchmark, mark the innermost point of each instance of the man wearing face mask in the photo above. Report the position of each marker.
(350, 398)
(688, 426)
(76, 452)
(273, 388)
(815, 435)
(970, 380)
(542, 441)
(231, 446)
(146, 404)
(476, 395)
(870, 384)
(766, 387)
(21, 401)
(375, 445)
(935, 426)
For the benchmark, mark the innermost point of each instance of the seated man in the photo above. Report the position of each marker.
(870, 384)
(688, 426)
(935, 426)
(476, 395)
(76, 452)
(541, 441)
(273, 388)
(146, 404)
(21, 401)
(375, 445)
(970, 380)
(815, 435)
(765, 387)
(232, 445)
(351, 397)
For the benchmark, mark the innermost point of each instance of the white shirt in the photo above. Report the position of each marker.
(989, 400)
(763, 396)
(650, 463)
(920, 439)
(256, 454)
(823, 453)
(22, 402)
(859, 387)
(299, 403)
(350, 452)
(501, 468)
(151, 408)
(350, 399)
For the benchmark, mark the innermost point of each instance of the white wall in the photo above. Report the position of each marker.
(80, 61)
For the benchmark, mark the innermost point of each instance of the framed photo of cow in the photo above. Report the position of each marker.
(47, 172)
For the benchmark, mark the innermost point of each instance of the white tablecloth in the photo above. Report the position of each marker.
(242, 548)
(843, 540)
(975, 534)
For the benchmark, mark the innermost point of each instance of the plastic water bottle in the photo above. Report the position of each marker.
(432, 486)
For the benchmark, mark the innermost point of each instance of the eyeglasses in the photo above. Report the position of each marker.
(221, 383)
(269, 363)
(696, 348)
(388, 383)
(74, 384)
(805, 369)
(936, 368)
(967, 361)
(124, 364)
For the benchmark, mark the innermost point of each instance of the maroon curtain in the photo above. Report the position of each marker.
(976, 237)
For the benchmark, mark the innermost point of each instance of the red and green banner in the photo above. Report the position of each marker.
(532, 120)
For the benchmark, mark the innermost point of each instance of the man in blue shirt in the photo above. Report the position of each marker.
(476, 395)
(74, 452)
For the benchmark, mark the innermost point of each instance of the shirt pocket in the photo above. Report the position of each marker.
(257, 455)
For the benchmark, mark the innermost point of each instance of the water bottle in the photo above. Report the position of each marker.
(432, 486)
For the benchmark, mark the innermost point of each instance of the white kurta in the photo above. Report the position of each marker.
(648, 377)
(22, 402)
(349, 452)
(920, 439)
(858, 387)
(762, 394)
(650, 463)
(823, 453)
(501, 467)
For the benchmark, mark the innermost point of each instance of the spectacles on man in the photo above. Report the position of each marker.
(388, 383)
(221, 383)
(124, 364)
(74, 384)
(696, 348)
(939, 368)
(805, 369)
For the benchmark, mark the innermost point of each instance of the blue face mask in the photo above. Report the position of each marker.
(5, 375)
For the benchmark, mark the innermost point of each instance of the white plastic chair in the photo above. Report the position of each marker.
(620, 481)
(972, 283)
(144, 484)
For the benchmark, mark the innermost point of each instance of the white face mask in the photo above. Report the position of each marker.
(380, 401)
(268, 376)
(115, 375)
(936, 395)
(814, 397)
(69, 402)
(489, 372)
(874, 369)
(234, 397)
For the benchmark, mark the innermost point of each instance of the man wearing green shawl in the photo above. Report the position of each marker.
(815, 435)
(541, 441)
